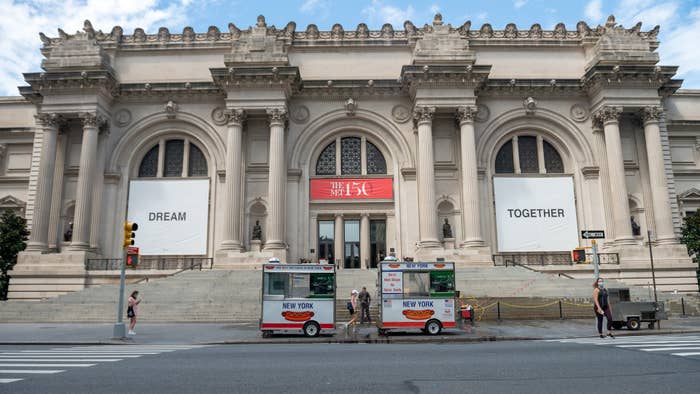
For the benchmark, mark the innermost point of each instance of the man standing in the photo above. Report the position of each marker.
(365, 299)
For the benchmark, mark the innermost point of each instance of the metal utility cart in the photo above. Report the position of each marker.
(632, 314)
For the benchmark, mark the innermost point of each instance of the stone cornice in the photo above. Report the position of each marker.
(519, 87)
(361, 35)
(355, 88)
(43, 83)
(284, 77)
(631, 76)
(443, 76)
(169, 89)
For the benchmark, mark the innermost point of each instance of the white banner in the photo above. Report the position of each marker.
(535, 214)
(172, 215)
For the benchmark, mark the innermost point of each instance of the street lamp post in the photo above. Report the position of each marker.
(653, 277)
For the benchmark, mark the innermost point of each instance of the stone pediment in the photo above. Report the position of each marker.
(11, 202)
(260, 45)
(441, 44)
(691, 194)
(80, 51)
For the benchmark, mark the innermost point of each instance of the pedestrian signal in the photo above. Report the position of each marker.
(132, 260)
(129, 235)
(578, 255)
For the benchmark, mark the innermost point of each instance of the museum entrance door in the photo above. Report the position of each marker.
(352, 244)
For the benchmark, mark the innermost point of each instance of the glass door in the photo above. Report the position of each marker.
(352, 244)
(377, 240)
(326, 242)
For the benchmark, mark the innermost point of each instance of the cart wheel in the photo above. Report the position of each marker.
(433, 327)
(633, 323)
(651, 325)
(312, 329)
(617, 325)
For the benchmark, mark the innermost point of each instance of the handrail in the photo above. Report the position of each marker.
(553, 258)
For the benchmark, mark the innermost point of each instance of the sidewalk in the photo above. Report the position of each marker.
(248, 333)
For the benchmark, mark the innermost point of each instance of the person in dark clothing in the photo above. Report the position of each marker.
(365, 299)
(602, 306)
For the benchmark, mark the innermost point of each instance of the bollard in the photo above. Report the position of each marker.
(498, 308)
(561, 314)
(682, 307)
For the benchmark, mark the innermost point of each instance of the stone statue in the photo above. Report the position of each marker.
(446, 230)
(68, 235)
(636, 230)
(257, 231)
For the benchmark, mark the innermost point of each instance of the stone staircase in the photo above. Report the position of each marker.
(225, 296)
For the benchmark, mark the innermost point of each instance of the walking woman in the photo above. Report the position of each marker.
(132, 310)
(353, 311)
(602, 306)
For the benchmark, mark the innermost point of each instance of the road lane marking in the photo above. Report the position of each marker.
(52, 355)
(32, 371)
(679, 343)
(10, 380)
(687, 354)
(669, 348)
(47, 365)
(59, 360)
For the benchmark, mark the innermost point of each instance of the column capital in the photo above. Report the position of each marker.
(51, 120)
(652, 114)
(423, 114)
(92, 120)
(235, 116)
(466, 114)
(608, 114)
(277, 116)
(338, 215)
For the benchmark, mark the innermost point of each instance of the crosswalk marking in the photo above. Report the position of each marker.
(676, 345)
(74, 357)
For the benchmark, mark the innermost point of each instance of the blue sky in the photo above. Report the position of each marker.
(21, 21)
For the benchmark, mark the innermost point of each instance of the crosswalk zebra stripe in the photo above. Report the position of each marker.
(687, 354)
(94, 357)
(10, 380)
(669, 348)
(32, 371)
(59, 360)
(47, 365)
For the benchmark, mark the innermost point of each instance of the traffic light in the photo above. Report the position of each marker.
(132, 260)
(578, 255)
(129, 235)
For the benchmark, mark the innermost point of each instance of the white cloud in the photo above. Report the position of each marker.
(434, 8)
(22, 22)
(310, 5)
(379, 13)
(519, 3)
(594, 11)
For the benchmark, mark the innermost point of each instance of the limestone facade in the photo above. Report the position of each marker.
(264, 112)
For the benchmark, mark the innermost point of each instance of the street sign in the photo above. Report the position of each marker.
(592, 234)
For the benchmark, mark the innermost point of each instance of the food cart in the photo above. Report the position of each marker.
(632, 314)
(298, 298)
(416, 296)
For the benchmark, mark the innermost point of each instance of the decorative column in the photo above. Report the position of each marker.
(663, 218)
(83, 199)
(232, 189)
(48, 124)
(277, 180)
(423, 117)
(365, 249)
(610, 117)
(604, 178)
(54, 238)
(338, 241)
(99, 185)
(471, 235)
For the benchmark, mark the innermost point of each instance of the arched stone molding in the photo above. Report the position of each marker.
(376, 127)
(133, 145)
(566, 137)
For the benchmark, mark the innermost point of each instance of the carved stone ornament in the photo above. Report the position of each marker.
(171, 109)
(218, 116)
(350, 107)
(483, 113)
(122, 118)
(466, 114)
(48, 120)
(423, 114)
(578, 112)
(530, 105)
(277, 115)
(235, 116)
(608, 114)
(90, 119)
(299, 114)
(652, 114)
(401, 113)
(3, 150)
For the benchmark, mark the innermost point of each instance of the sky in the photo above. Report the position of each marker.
(21, 21)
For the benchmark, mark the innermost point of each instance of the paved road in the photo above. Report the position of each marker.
(636, 364)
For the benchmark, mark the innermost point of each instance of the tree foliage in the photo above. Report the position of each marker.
(690, 235)
(13, 237)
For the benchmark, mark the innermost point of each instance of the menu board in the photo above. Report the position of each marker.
(392, 282)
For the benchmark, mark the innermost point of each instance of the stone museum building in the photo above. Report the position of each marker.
(465, 143)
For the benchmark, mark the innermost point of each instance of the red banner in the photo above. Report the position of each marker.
(351, 189)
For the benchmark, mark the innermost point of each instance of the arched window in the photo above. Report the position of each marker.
(357, 157)
(533, 155)
(173, 158)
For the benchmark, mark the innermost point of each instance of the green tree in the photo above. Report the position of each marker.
(13, 234)
(690, 235)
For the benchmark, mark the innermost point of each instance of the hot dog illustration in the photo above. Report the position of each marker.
(298, 316)
(418, 314)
